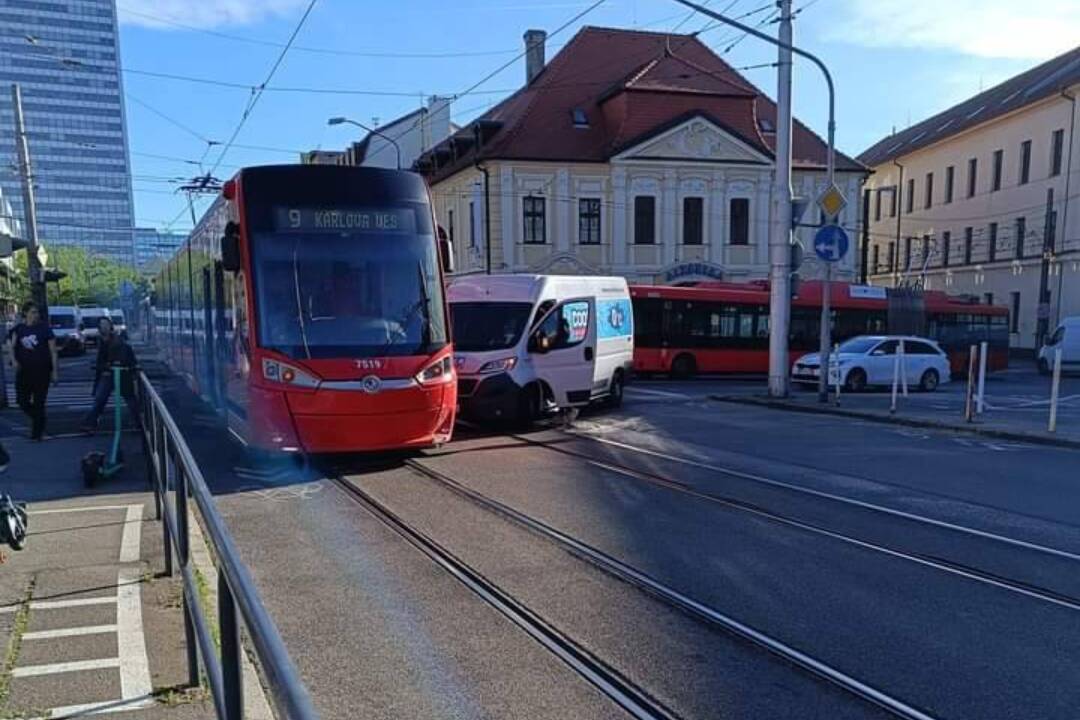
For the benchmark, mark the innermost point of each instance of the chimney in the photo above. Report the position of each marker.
(534, 53)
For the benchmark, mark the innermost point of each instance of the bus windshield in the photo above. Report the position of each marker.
(480, 326)
(349, 294)
(62, 322)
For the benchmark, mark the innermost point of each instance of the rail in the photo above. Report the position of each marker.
(172, 470)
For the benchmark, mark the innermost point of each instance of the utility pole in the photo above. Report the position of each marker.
(1043, 324)
(780, 244)
(33, 263)
(780, 237)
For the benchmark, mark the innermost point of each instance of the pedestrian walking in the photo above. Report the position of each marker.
(113, 351)
(33, 351)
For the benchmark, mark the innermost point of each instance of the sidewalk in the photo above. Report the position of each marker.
(88, 622)
(1016, 407)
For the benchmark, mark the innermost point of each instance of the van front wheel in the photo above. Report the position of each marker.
(528, 406)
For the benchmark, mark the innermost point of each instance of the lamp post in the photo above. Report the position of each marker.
(373, 131)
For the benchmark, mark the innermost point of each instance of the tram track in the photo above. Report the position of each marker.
(676, 599)
(619, 689)
(935, 562)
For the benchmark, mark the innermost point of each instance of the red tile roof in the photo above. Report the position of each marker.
(631, 85)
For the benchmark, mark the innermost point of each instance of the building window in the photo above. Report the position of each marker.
(1014, 312)
(589, 221)
(739, 221)
(973, 172)
(644, 220)
(894, 203)
(450, 226)
(929, 200)
(472, 224)
(925, 250)
(910, 195)
(534, 217)
(1025, 162)
(999, 161)
(968, 242)
(946, 241)
(1057, 143)
(877, 257)
(950, 173)
(877, 205)
(892, 255)
(693, 229)
(907, 253)
(991, 252)
(1021, 231)
(988, 298)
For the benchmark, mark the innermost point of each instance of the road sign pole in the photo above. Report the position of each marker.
(826, 334)
(33, 261)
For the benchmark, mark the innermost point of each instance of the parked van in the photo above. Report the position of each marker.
(64, 321)
(1066, 338)
(89, 325)
(528, 345)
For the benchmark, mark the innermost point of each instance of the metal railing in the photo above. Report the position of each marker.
(172, 470)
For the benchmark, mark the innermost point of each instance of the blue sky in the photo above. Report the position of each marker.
(894, 62)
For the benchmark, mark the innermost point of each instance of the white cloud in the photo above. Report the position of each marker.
(1031, 30)
(162, 14)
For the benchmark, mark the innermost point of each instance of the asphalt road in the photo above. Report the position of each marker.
(937, 570)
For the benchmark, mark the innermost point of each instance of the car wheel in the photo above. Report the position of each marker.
(855, 380)
(1044, 367)
(615, 392)
(929, 381)
(528, 406)
(684, 367)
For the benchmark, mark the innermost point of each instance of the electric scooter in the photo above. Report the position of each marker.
(98, 466)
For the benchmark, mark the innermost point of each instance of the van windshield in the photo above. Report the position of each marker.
(62, 322)
(481, 326)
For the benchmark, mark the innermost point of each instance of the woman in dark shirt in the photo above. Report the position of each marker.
(33, 349)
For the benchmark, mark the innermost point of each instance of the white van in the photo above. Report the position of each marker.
(64, 321)
(526, 345)
(89, 325)
(1067, 338)
(119, 322)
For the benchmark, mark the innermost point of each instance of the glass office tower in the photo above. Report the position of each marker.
(65, 56)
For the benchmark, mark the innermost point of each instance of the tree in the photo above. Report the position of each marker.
(91, 279)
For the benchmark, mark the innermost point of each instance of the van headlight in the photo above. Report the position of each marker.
(441, 371)
(279, 372)
(501, 365)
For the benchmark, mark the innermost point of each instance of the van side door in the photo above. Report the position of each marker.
(562, 348)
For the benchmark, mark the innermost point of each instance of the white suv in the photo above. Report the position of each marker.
(869, 360)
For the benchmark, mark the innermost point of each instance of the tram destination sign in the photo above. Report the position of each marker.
(337, 219)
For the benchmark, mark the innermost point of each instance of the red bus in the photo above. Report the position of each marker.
(307, 306)
(720, 327)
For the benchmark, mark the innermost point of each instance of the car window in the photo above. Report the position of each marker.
(568, 325)
(914, 347)
(1058, 335)
(888, 347)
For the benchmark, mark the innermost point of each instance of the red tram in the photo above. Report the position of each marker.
(720, 327)
(307, 305)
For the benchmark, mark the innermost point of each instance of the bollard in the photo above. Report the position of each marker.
(903, 368)
(982, 378)
(895, 380)
(836, 352)
(969, 409)
(1055, 386)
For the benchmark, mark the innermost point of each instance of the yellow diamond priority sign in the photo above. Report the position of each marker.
(832, 201)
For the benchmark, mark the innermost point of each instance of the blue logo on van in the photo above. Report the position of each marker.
(616, 319)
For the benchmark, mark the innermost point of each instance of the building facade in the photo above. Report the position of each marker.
(981, 200)
(153, 248)
(624, 157)
(66, 58)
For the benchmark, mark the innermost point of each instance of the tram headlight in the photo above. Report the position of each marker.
(438, 372)
(279, 372)
(501, 365)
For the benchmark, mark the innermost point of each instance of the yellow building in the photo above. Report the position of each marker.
(981, 199)
(630, 153)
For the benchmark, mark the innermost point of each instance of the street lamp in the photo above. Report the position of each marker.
(373, 131)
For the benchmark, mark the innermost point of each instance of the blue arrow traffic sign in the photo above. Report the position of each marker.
(831, 243)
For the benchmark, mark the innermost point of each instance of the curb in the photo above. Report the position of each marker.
(895, 420)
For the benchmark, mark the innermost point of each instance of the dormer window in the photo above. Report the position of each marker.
(579, 118)
(766, 125)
